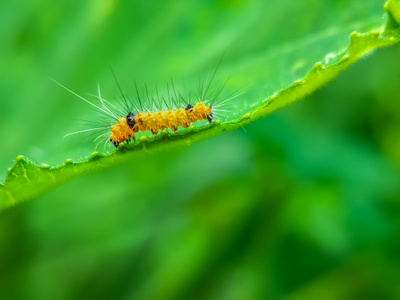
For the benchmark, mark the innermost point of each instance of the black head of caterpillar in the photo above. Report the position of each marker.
(130, 120)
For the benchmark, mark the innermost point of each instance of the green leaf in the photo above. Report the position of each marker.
(266, 93)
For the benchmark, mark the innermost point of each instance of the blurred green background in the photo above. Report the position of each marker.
(303, 204)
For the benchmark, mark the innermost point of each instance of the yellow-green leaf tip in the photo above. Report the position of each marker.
(95, 156)
(375, 33)
(45, 166)
(392, 7)
(143, 138)
(20, 157)
(318, 66)
(354, 34)
(298, 82)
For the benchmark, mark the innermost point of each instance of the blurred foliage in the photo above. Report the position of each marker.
(303, 204)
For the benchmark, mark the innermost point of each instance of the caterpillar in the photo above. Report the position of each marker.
(126, 128)
(172, 114)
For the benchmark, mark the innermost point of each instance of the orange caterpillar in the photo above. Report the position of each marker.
(126, 128)
(123, 129)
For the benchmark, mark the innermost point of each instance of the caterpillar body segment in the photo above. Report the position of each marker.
(126, 128)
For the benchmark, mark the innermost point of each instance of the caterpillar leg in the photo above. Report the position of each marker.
(115, 143)
(210, 118)
(175, 128)
(154, 132)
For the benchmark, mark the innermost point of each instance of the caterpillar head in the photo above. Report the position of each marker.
(131, 120)
(189, 107)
